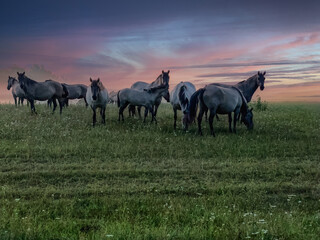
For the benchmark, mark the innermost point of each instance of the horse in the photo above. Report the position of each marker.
(247, 87)
(97, 97)
(76, 91)
(180, 98)
(221, 100)
(162, 79)
(146, 98)
(42, 91)
(17, 92)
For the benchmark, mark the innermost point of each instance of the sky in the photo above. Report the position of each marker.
(123, 41)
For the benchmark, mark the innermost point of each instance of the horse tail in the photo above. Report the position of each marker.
(194, 103)
(118, 99)
(65, 91)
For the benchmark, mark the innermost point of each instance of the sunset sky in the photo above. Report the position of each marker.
(199, 41)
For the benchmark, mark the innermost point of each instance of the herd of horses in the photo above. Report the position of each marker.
(217, 98)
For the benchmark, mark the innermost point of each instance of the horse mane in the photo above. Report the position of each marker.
(182, 95)
(29, 81)
(100, 85)
(155, 82)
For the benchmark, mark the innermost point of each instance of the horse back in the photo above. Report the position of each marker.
(139, 85)
(223, 99)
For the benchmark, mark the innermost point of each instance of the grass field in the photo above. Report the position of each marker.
(62, 179)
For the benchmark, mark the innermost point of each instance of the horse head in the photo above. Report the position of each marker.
(11, 80)
(95, 88)
(247, 119)
(260, 80)
(165, 77)
(21, 78)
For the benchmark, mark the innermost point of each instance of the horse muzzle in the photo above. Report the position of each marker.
(261, 88)
(94, 98)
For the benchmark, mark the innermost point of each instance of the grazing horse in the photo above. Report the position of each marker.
(146, 98)
(17, 92)
(221, 100)
(247, 87)
(76, 91)
(162, 79)
(42, 91)
(180, 98)
(97, 97)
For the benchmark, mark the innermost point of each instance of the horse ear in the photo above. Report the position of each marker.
(168, 71)
(264, 73)
(258, 72)
(23, 73)
(98, 80)
(162, 72)
(90, 80)
(17, 73)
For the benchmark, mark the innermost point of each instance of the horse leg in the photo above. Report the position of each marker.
(121, 109)
(85, 100)
(67, 102)
(235, 115)
(175, 119)
(139, 111)
(199, 120)
(131, 109)
(155, 110)
(212, 113)
(153, 115)
(33, 109)
(145, 115)
(54, 105)
(22, 99)
(103, 115)
(15, 100)
(217, 117)
(230, 121)
(206, 114)
(60, 105)
(94, 117)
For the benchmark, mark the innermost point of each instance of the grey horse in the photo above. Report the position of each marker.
(221, 100)
(247, 87)
(97, 97)
(42, 91)
(146, 98)
(162, 79)
(17, 91)
(76, 91)
(180, 98)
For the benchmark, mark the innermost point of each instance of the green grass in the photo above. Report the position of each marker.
(62, 179)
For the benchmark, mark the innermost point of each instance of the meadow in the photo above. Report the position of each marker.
(60, 178)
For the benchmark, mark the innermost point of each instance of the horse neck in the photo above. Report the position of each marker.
(156, 94)
(30, 81)
(248, 87)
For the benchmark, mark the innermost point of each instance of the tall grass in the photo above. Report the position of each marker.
(60, 178)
